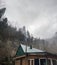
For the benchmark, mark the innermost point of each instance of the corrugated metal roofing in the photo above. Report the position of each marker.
(28, 50)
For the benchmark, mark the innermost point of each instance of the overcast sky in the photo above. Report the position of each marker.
(39, 16)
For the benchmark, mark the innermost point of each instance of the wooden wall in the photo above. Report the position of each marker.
(24, 60)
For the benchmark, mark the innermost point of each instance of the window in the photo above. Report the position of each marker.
(54, 62)
(28, 62)
(31, 62)
(36, 62)
(42, 61)
(48, 62)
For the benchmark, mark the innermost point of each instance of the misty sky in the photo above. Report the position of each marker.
(39, 16)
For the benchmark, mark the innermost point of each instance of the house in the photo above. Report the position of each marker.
(26, 55)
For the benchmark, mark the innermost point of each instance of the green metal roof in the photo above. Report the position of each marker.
(22, 50)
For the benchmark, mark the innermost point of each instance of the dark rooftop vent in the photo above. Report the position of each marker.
(30, 46)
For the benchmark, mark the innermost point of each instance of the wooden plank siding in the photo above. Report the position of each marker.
(26, 58)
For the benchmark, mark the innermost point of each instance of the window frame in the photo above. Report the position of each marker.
(30, 61)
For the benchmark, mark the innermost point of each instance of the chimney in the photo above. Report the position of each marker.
(30, 46)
